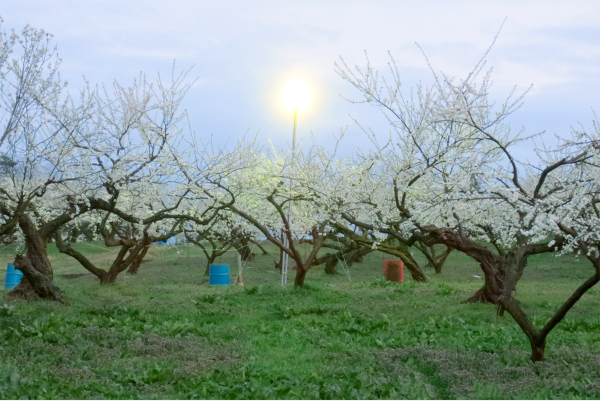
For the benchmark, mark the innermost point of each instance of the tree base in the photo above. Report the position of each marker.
(23, 291)
(537, 351)
(34, 284)
(330, 267)
(299, 279)
(481, 296)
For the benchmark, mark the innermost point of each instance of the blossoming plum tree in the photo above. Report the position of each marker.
(38, 119)
(280, 193)
(110, 154)
(226, 232)
(134, 186)
(395, 179)
(473, 188)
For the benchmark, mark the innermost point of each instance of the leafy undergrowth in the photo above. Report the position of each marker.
(166, 334)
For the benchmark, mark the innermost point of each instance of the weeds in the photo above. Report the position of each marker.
(167, 334)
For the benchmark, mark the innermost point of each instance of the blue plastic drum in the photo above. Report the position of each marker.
(13, 277)
(219, 275)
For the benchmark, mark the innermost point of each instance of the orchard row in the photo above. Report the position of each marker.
(115, 163)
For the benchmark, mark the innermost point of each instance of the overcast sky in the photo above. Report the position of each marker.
(244, 50)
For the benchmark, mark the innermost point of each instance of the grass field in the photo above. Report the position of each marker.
(166, 334)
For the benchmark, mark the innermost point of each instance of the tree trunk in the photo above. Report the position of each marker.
(110, 277)
(74, 234)
(414, 269)
(438, 262)
(537, 350)
(483, 295)
(278, 265)
(215, 252)
(300, 275)
(493, 287)
(509, 270)
(247, 255)
(348, 257)
(433, 259)
(330, 266)
(209, 261)
(121, 263)
(135, 265)
(37, 281)
(245, 251)
(357, 256)
(259, 245)
(502, 273)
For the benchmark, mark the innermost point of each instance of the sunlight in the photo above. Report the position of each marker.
(296, 95)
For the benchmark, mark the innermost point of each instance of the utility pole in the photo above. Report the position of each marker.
(286, 257)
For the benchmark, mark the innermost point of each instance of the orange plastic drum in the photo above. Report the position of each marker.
(393, 270)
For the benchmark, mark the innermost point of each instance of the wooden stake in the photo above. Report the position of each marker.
(239, 279)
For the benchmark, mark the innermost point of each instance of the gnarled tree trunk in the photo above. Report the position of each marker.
(135, 265)
(37, 281)
(330, 266)
(121, 263)
(348, 257)
(243, 247)
(502, 273)
(411, 264)
(433, 259)
(508, 270)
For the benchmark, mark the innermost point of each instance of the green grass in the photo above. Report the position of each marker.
(166, 334)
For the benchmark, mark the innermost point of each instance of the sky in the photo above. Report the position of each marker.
(242, 52)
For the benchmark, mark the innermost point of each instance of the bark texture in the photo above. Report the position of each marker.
(135, 265)
(300, 276)
(37, 281)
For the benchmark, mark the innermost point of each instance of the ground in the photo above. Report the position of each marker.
(166, 334)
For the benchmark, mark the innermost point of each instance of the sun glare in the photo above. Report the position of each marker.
(296, 95)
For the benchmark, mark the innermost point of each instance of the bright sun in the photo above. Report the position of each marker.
(296, 95)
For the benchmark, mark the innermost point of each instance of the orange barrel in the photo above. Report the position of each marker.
(393, 270)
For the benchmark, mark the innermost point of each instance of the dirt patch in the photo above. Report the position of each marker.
(194, 355)
(71, 372)
(23, 291)
(76, 275)
(453, 373)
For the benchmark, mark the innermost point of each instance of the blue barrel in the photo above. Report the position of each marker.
(219, 275)
(13, 277)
